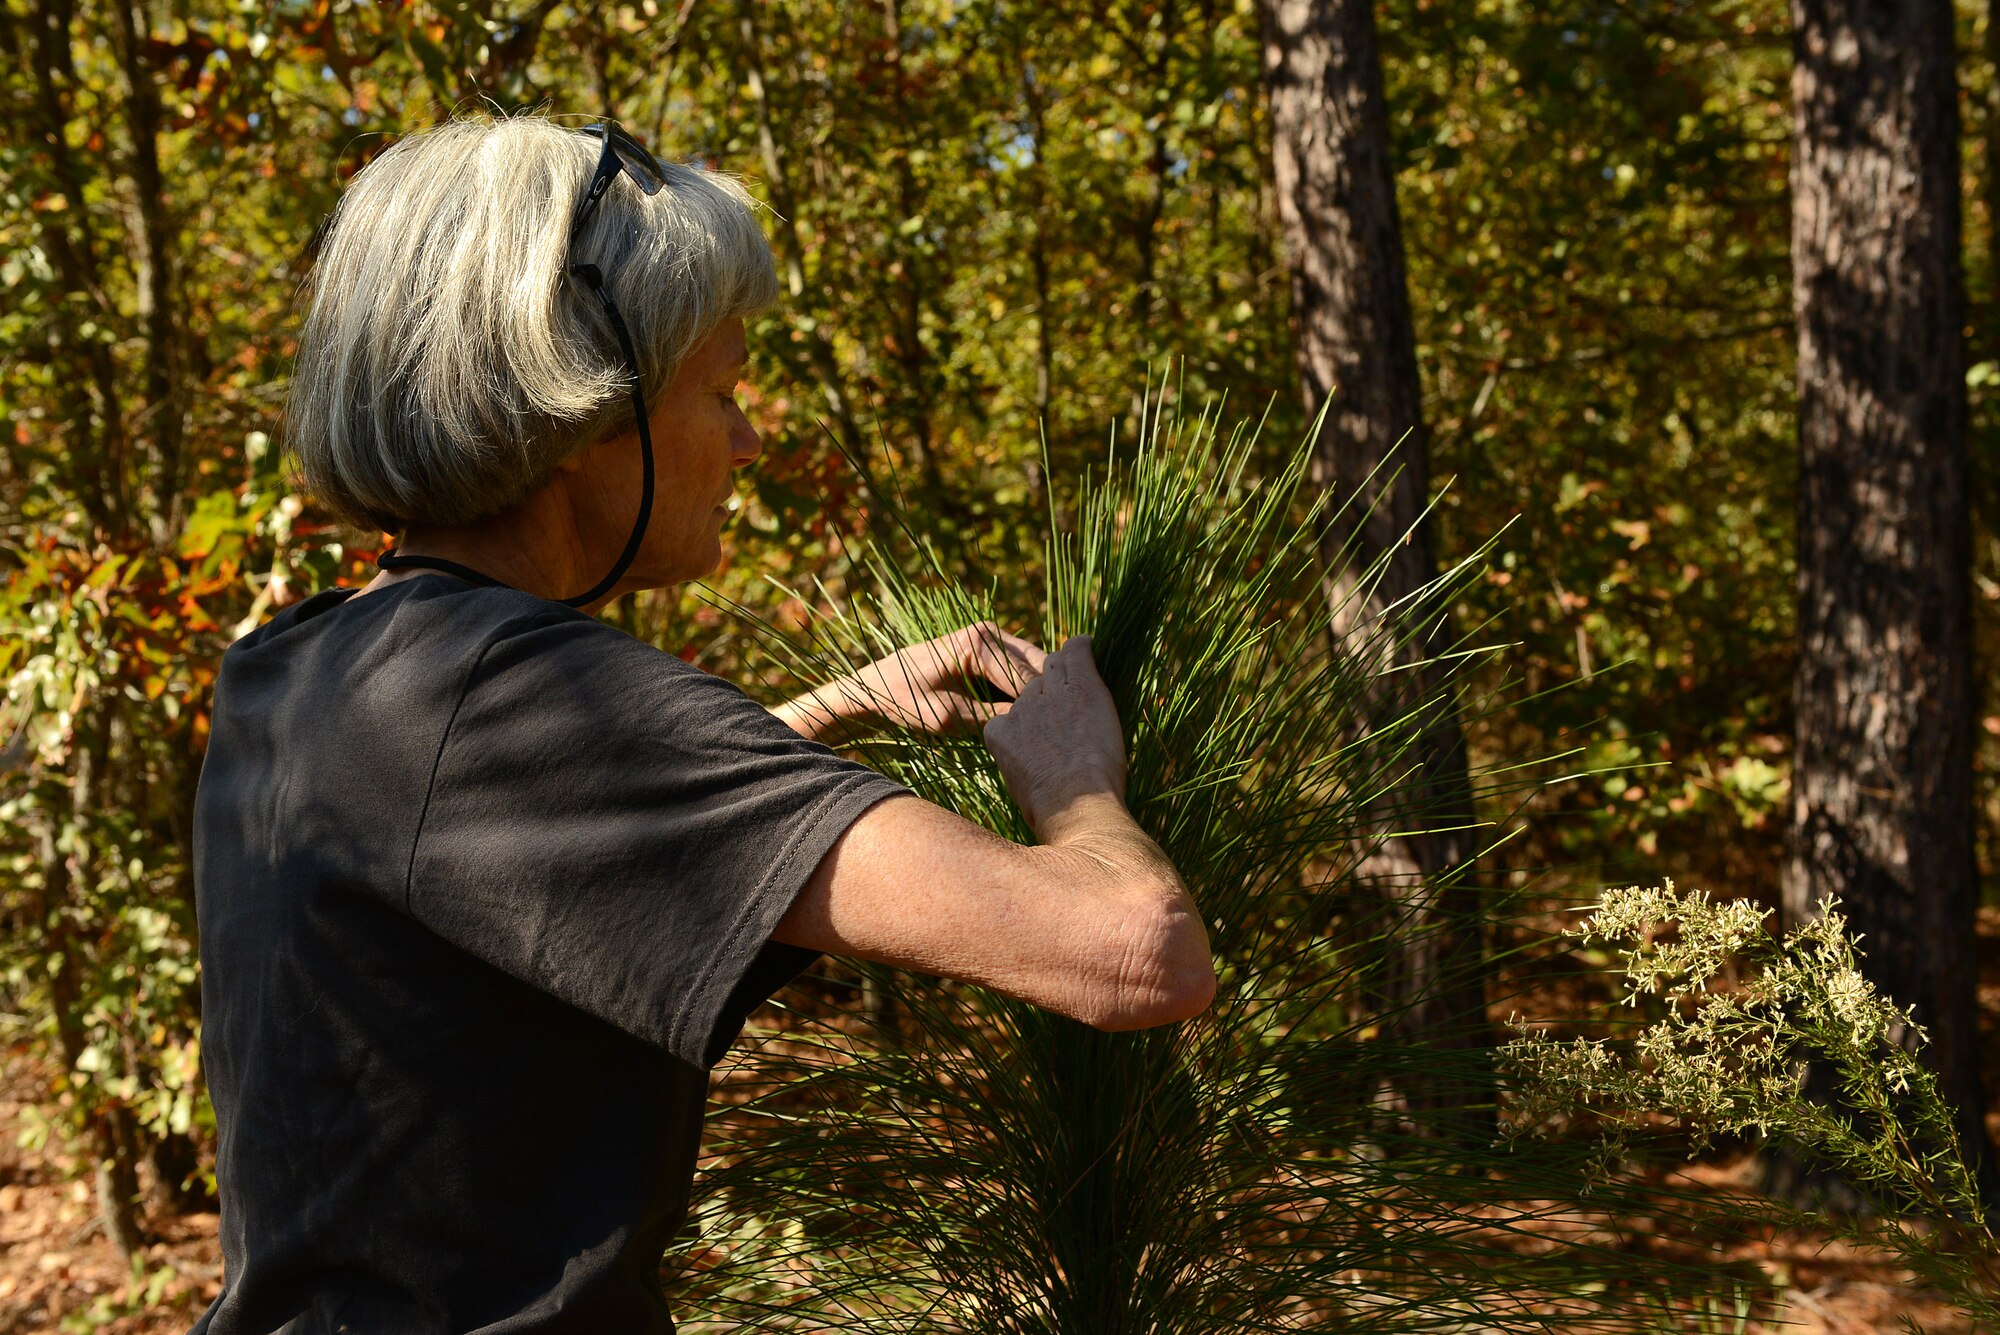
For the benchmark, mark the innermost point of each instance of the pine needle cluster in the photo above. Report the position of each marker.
(949, 1160)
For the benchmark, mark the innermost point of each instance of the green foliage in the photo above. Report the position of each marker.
(977, 1164)
(1743, 1017)
(144, 521)
(1594, 203)
(142, 1294)
(991, 215)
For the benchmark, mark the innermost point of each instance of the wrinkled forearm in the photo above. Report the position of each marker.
(1164, 971)
(1099, 826)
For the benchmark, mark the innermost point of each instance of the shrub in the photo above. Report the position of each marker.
(1744, 1016)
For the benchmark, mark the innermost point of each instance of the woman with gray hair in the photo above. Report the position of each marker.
(485, 885)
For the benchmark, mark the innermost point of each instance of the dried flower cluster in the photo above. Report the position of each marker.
(1742, 1017)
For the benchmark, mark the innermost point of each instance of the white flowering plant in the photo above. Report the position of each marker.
(1743, 1016)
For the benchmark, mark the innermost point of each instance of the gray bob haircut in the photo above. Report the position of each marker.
(448, 363)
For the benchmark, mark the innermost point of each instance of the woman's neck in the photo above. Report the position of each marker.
(533, 546)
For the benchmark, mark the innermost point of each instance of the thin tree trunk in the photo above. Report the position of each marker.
(1992, 156)
(790, 243)
(665, 61)
(1157, 65)
(1038, 264)
(912, 357)
(153, 265)
(1882, 805)
(113, 1134)
(1356, 346)
(100, 444)
(596, 42)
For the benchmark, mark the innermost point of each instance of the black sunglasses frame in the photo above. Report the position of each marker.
(621, 152)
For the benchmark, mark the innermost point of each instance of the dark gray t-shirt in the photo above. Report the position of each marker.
(485, 887)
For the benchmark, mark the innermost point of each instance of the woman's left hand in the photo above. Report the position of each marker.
(924, 687)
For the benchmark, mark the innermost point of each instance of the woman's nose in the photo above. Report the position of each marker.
(746, 445)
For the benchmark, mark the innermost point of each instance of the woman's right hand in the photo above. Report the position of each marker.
(1093, 923)
(1060, 739)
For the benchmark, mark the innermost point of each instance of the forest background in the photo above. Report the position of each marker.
(993, 223)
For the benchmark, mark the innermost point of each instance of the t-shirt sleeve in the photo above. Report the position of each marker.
(623, 831)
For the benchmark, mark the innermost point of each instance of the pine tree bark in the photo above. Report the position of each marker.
(1882, 801)
(1336, 194)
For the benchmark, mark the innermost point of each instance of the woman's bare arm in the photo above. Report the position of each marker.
(922, 687)
(1092, 921)
(1094, 924)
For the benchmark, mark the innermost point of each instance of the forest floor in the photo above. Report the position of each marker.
(58, 1271)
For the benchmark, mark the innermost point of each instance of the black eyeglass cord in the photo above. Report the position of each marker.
(594, 280)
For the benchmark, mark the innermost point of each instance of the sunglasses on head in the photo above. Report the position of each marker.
(621, 152)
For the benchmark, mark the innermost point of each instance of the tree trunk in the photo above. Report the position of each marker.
(790, 242)
(1882, 805)
(1336, 197)
(112, 1130)
(1992, 150)
(154, 266)
(97, 422)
